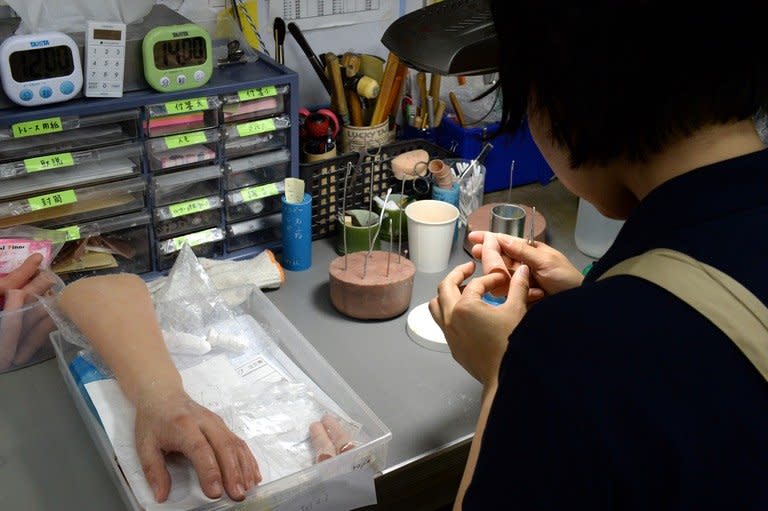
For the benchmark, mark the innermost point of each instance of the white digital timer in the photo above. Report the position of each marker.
(38, 69)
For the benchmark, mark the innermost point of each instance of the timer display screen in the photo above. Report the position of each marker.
(174, 53)
(41, 63)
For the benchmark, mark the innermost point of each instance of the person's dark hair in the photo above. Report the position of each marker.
(623, 79)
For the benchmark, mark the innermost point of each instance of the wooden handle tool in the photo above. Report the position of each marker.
(439, 112)
(434, 89)
(390, 71)
(355, 109)
(421, 83)
(338, 97)
(457, 108)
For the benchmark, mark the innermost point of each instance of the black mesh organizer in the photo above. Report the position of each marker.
(369, 173)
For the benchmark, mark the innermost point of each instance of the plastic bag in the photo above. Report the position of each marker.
(19, 242)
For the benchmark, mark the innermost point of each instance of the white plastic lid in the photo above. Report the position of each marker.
(423, 330)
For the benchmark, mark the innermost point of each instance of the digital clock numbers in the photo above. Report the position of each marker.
(37, 69)
(177, 57)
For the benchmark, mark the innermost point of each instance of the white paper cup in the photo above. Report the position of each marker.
(431, 225)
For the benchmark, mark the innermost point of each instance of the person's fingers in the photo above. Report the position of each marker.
(248, 465)
(225, 446)
(23, 274)
(518, 287)
(198, 450)
(477, 287)
(153, 464)
(339, 436)
(34, 339)
(437, 313)
(33, 314)
(535, 294)
(449, 292)
(321, 442)
(41, 283)
(10, 326)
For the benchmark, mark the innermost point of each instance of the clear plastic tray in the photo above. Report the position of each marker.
(183, 115)
(257, 169)
(254, 201)
(307, 365)
(207, 243)
(110, 245)
(186, 185)
(253, 232)
(249, 104)
(49, 172)
(184, 217)
(75, 205)
(180, 150)
(71, 133)
(258, 136)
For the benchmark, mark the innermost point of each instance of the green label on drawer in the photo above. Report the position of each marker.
(185, 139)
(255, 127)
(52, 200)
(196, 238)
(72, 232)
(36, 127)
(259, 192)
(262, 92)
(52, 161)
(186, 105)
(189, 207)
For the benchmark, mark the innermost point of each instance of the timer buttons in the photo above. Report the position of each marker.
(199, 75)
(165, 81)
(181, 79)
(26, 95)
(67, 87)
(46, 92)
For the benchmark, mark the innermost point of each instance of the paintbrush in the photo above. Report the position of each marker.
(278, 27)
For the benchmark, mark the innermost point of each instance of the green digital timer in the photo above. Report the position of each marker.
(177, 57)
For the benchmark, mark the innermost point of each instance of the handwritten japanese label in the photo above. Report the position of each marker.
(256, 127)
(261, 92)
(259, 192)
(51, 161)
(196, 238)
(72, 232)
(189, 207)
(52, 200)
(185, 139)
(186, 105)
(36, 127)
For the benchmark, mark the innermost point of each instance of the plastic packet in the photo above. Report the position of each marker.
(19, 242)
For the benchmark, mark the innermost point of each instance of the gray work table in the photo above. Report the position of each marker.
(48, 461)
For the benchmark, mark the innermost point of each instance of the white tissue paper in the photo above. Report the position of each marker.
(71, 16)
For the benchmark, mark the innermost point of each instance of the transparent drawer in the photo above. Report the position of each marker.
(257, 136)
(249, 104)
(207, 243)
(75, 205)
(301, 363)
(186, 185)
(253, 201)
(70, 133)
(111, 245)
(257, 169)
(256, 231)
(184, 217)
(175, 151)
(68, 169)
(182, 115)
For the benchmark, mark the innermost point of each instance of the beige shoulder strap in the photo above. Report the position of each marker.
(725, 302)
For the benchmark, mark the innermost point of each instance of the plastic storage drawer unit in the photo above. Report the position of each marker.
(257, 136)
(182, 150)
(68, 133)
(111, 245)
(254, 201)
(207, 243)
(258, 231)
(257, 169)
(250, 104)
(181, 116)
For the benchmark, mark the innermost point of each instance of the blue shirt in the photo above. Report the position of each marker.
(617, 395)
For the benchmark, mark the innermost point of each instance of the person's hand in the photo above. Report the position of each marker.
(174, 423)
(477, 331)
(551, 271)
(21, 337)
